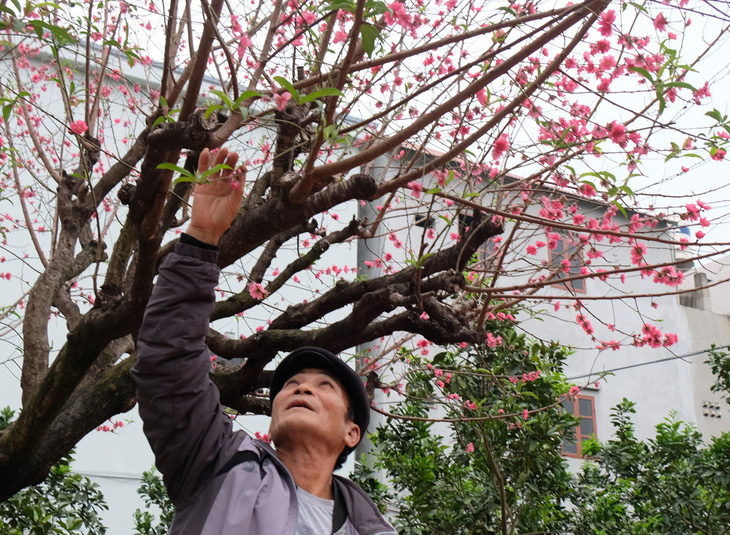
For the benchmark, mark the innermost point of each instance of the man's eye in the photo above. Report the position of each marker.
(328, 383)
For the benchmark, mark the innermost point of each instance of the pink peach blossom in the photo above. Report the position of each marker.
(79, 127)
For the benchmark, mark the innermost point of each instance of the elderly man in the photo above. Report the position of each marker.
(224, 482)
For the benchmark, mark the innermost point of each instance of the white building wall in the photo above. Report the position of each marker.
(659, 380)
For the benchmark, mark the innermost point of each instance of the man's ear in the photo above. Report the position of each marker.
(353, 435)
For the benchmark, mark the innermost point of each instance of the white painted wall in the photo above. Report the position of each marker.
(658, 380)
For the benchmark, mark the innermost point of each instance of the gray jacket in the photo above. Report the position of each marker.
(221, 481)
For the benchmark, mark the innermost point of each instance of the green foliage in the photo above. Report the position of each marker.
(515, 479)
(6, 416)
(64, 503)
(719, 362)
(67, 503)
(154, 493)
(671, 484)
(189, 176)
(231, 105)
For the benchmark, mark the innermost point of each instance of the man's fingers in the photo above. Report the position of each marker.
(231, 162)
(203, 161)
(239, 176)
(220, 158)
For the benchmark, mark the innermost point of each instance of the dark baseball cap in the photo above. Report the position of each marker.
(321, 359)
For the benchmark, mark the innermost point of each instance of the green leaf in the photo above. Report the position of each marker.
(112, 43)
(59, 33)
(182, 178)
(29, 8)
(183, 172)
(683, 85)
(601, 175)
(161, 119)
(212, 109)
(639, 7)
(369, 34)
(225, 98)
(660, 98)
(627, 190)
(715, 114)
(132, 56)
(644, 73)
(203, 177)
(286, 84)
(319, 93)
(245, 96)
(375, 8)
(335, 5)
(620, 207)
(329, 132)
(591, 184)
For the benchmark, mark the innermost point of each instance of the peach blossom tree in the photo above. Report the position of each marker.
(414, 131)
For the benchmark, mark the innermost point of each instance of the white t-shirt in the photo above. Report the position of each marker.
(315, 515)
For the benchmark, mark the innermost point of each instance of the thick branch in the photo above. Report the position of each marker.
(449, 261)
(502, 114)
(40, 298)
(119, 171)
(259, 223)
(83, 346)
(201, 61)
(300, 191)
(439, 111)
(25, 462)
(243, 300)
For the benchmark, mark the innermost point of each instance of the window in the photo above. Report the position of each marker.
(465, 222)
(582, 407)
(565, 251)
(424, 221)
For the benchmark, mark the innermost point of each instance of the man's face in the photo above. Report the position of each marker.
(312, 406)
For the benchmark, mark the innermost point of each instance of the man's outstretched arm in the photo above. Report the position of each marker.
(177, 401)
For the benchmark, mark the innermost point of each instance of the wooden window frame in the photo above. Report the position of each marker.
(580, 438)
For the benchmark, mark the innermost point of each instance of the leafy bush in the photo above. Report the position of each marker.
(64, 503)
(155, 494)
(506, 474)
(500, 474)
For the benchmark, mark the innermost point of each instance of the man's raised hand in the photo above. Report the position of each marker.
(216, 202)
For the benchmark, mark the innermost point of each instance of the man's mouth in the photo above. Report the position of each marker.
(299, 403)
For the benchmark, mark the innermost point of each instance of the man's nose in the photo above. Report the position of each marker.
(303, 388)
